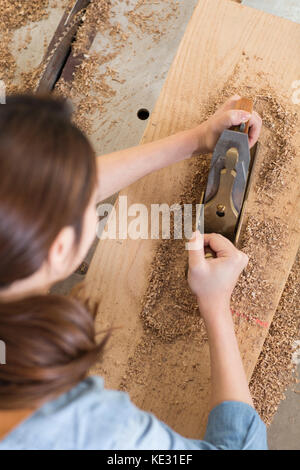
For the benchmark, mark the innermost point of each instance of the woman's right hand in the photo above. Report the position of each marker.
(212, 280)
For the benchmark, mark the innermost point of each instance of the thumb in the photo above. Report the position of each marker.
(196, 249)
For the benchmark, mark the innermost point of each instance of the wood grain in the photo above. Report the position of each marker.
(177, 375)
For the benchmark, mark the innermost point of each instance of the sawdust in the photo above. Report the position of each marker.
(90, 89)
(169, 309)
(253, 293)
(149, 20)
(28, 81)
(99, 17)
(95, 19)
(280, 124)
(281, 121)
(274, 371)
(259, 237)
(7, 61)
(15, 14)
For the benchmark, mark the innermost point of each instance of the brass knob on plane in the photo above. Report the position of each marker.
(221, 210)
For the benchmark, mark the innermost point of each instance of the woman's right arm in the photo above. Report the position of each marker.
(233, 422)
(212, 281)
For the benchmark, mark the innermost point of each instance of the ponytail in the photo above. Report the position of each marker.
(50, 346)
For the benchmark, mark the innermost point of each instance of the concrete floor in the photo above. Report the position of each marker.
(284, 432)
(143, 65)
(289, 9)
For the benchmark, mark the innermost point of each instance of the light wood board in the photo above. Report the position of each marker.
(217, 35)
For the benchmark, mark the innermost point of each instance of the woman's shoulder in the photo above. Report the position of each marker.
(75, 419)
(87, 394)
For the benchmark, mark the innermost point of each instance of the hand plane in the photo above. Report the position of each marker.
(229, 179)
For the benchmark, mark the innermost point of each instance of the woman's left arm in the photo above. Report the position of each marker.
(122, 168)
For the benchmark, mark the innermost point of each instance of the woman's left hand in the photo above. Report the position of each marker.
(224, 118)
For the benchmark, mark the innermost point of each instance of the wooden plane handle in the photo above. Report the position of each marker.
(245, 104)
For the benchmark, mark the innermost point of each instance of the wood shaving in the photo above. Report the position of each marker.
(149, 20)
(275, 371)
(253, 294)
(282, 122)
(28, 81)
(7, 61)
(169, 309)
(100, 18)
(96, 19)
(14, 14)
(89, 89)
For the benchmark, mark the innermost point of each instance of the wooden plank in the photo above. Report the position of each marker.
(219, 35)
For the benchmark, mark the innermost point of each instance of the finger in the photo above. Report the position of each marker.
(230, 118)
(196, 249)
(255, 125)
(219, 244)
(229, 104)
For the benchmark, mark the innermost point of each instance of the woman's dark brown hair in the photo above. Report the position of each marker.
(50, 345)
(47, 177)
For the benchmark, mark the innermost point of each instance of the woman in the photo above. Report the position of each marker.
(50, 184)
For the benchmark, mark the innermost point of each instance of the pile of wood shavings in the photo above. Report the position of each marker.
(96, 18)
(89, 89)
(169, 309)
(7, 61)
(15, 14)
(274, 371)
(281, 122)
(149, 21)
(253, 292)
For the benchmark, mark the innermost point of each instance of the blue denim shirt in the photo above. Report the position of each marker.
(91, 417)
